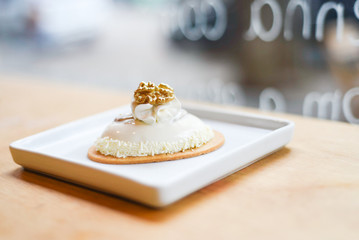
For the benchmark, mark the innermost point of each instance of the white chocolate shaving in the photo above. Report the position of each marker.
(121, 149)
(152, 114)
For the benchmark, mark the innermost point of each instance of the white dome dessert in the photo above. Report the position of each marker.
(157, 125)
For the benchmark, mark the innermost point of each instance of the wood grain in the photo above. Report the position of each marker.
(308, 190)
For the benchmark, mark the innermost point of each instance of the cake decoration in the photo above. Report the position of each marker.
(152, 94)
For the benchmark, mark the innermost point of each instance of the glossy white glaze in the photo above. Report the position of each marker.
(137, 131)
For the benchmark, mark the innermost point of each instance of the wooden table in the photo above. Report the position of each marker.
(308, 190)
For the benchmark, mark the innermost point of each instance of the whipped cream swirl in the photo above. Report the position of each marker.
(161, 113)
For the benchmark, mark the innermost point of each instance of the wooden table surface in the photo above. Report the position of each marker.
(308, 190)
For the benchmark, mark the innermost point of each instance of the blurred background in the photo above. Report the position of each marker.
(295, 56)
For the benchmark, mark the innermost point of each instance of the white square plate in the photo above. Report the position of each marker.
(62, 152)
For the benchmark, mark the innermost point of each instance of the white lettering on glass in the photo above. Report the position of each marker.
(307, 19)
(347, 109)
(190, 29)
(271, 99)
(191, 18)
(193, 23)
(257, 29)
(353, 41)
(322, 101)
(220, 25)
(323, 11)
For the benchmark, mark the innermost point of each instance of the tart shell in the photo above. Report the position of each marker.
(216, 142)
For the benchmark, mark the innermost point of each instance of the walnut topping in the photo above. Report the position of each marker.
(152, 94)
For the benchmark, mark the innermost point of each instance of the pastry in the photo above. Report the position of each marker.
(158, 129)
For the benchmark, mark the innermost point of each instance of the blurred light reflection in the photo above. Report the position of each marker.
(275, 55)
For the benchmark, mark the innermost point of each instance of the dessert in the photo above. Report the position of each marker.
(158, 129)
